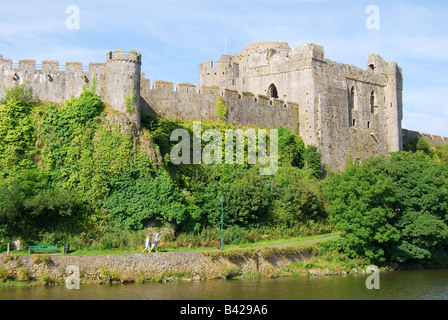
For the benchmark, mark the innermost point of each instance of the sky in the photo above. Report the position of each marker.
(175, 36)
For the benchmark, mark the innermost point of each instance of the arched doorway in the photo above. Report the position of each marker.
(272, 91)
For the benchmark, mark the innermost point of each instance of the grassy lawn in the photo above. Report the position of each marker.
(315, 238)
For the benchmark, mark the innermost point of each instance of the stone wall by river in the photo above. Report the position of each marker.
(193, 265)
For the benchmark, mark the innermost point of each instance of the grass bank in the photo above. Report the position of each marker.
(318, 261)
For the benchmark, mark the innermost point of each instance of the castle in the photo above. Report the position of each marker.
(349, 113)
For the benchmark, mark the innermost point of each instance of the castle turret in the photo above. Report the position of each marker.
(222, 73)
(393, 100)
(123, 75)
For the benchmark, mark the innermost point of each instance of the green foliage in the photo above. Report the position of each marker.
(93, 163)
(313, 160)
(392, 210)
(31, 202)
(3, 275)
(130, 103)
(424, 146)
(362, 207)
(138, 199)
(247, 198)
(292, 152)
(17, 128)
(221, 109)
(74, 119)
(234, 235)
(298, 198)
(21, 94)
(291, 148)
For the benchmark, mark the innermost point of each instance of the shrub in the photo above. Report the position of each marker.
(23, 275)
(3, 275)
(46, 279)
(21, 94)
(234, 235)
(137, 199)
(221, 109)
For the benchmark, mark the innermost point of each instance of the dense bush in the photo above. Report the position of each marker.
(136, 200)
(31, 201)
(72, 121)
(17, 131)
(299, 197)
(393, 210)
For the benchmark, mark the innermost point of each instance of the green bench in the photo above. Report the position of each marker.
(42, 249)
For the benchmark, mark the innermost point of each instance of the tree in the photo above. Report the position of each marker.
(362, 205)
(313, 160)
(298, 198)
(422, 194)
(31, 202)
(248, 196)
(291, 148)
(394, 209)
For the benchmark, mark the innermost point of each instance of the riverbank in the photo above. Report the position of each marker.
(259, 262)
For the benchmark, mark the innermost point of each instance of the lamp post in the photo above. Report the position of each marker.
(222, 222)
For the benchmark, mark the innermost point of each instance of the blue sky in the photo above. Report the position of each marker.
(174, 37)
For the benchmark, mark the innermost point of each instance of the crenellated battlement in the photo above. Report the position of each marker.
(56, 82)
(184, 90)
(188, 101)
(121, 55)
(48, 66)
(342, 109)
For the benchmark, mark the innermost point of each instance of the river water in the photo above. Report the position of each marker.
(403, 285)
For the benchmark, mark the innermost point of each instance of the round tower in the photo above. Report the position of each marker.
(122, 90)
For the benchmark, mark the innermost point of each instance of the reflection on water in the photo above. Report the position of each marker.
(405, 285)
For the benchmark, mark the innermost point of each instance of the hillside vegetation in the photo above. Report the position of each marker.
(80, 173)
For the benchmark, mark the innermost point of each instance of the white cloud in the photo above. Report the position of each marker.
(425, 122)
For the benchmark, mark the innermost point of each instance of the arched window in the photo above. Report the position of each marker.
(272, 91)
(351, 98)
(351, 106)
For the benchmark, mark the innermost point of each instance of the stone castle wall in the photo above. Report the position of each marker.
(116, 79)
(244, 108)
(348, 112)
(410, 137)
(50, 81)
(357, 116)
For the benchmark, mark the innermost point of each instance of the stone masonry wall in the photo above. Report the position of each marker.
(192, 264)
(328, 103)
(410, 136)
(116, 80)
(244, 108)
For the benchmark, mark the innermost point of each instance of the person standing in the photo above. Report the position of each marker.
(154, 241)
(146, 244)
